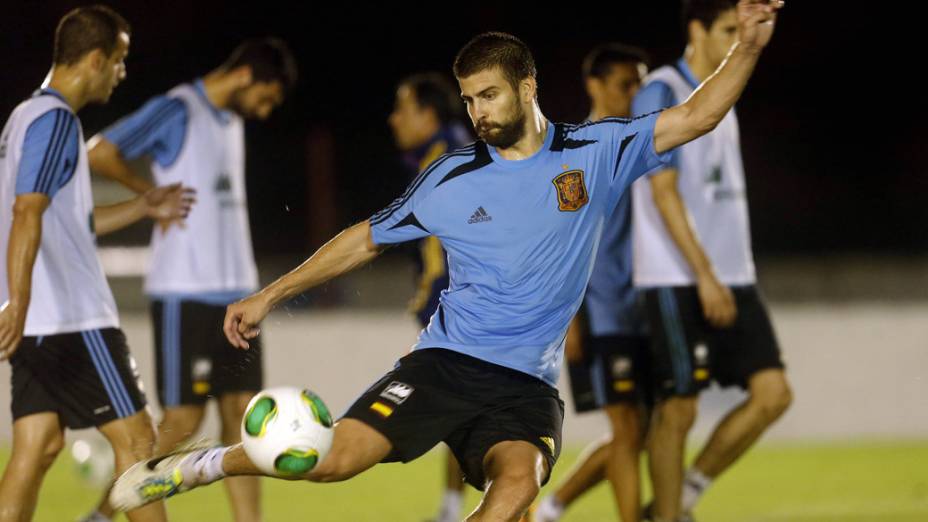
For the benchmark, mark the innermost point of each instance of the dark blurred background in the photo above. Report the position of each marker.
(832, 128)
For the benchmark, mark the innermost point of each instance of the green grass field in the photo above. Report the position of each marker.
(841, 482)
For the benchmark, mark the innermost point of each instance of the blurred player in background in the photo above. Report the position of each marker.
(426, 124)
(194, 133)
(607, 344)
(692, 253)
(59, 328)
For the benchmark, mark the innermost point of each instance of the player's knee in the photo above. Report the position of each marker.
(522, 483)
(774, 401)
(46, 455)
(678, 414)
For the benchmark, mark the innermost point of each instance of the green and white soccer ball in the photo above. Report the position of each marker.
(286, 431)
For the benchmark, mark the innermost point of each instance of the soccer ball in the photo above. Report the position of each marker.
(93, 461)
(286, 431)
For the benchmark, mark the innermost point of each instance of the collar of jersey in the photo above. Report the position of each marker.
(687, 73)
(527, 162)
(220, 115)
(52, 92)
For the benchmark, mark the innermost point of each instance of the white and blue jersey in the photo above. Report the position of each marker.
(521, 236)
(191, 141)
(42, 151)
(710, 181)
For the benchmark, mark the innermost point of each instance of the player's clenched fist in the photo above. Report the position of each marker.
(242, 319)
(756, 19)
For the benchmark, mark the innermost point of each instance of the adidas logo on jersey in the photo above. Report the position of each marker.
(479, 216)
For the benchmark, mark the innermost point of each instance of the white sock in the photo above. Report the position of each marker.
(695, 483)
(450, 509)
(549, 510)
(208, 465)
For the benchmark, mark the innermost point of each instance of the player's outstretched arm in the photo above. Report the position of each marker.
(23, 246)
(105, 159)
(352, 248)
(706, 107)
(167, 203)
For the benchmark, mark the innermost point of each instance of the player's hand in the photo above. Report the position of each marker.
(169, 203)
(12, 323)
(718, 303)
(756, 19)
(242, 320)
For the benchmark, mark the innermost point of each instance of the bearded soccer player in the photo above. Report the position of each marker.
(482, 375)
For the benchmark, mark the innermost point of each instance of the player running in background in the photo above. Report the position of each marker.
(692, 253)
(59, 328)
(194, 134)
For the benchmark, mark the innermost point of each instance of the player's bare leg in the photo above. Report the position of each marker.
(452, 500)
(244, 492)
(514, 471)
(615, 457)
(769, 397)
(177, 425)
(672, 420)
(622, 466)
(589, 471)
(37, 440)
(133, 439)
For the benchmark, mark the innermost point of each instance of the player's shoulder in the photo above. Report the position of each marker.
(576, 135)
(455, 163)
(41, 105)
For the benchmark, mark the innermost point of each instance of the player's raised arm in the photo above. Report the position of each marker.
(352, 248)
(706, 107)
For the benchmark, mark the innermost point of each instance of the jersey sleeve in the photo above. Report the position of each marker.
(653, 97)
(629, 148)
(158, 129)
(405, 218)
(50, 153)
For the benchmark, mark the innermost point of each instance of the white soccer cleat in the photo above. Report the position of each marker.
(156, 479)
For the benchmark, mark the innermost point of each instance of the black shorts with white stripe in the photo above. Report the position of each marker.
(88, 378)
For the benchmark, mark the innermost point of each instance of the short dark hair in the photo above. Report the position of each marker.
(704, 11)
(603, 56)
(433, 90)
(270, 59)
(496, 49)
(85, 29)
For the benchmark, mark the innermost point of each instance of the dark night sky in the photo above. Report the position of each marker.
(830, 168)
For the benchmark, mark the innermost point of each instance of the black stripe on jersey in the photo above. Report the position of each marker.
(625, 141)
(170, 108)
(481, 159)
(385, 214)
(410, 220)
(441, 317)
(47, 183)
(561, 141)
(42, 168)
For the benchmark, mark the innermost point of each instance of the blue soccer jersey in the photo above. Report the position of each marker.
(521, 236)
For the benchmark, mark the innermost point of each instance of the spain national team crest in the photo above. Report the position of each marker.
(571, 191)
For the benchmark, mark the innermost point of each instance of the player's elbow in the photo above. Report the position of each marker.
(101, 154)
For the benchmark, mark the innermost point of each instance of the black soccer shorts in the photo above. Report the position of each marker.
(615, 370)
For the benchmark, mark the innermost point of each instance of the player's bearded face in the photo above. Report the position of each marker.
(508, 129)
